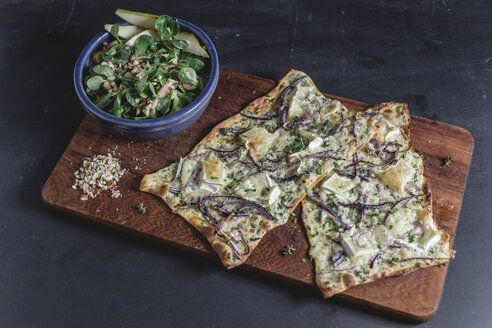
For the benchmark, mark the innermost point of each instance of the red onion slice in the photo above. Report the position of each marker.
(337, 258)
(262, 168)
(199, 155)
(261, 118)
(232, 241)
(205, 212)
(284, 107)
(284, 204)
(178, 169)
(371, 264)
(255, 205)
(361, 205)
(303, 117)
(323, 155)
(283, 115)
(396, 203)
(226, 152)
(244, 241)
(334, 130)
(291, 87)
(335, 217)
(278, 160)
(286, 179)
(235, 131)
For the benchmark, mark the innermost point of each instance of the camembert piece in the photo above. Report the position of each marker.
(212, 174)
(397, 176)
(345, 187)
(258, 141)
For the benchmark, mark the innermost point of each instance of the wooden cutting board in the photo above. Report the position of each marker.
(414, 296)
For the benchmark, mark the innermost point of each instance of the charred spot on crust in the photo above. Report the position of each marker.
(209, 232)
(162, 191)
(387, 111)
(145, 184)
(348, 280)
(427, 190)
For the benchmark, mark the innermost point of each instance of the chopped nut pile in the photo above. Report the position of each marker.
(101, 172)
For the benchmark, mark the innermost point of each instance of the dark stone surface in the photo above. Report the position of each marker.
(59, 271)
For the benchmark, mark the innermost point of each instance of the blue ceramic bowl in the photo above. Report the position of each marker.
(152, 128)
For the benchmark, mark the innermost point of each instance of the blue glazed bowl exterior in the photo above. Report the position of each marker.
(152, 128)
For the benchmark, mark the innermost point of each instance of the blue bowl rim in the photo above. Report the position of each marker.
(171, 119)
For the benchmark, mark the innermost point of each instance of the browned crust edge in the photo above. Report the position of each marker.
(417, 265)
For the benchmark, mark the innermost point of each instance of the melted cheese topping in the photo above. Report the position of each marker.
(213, 170)
(260, 186)
(342, 186)
(258, 141)
(271, 181)
(394, 227)
(212, 174)
(397, 176)
(302, 100)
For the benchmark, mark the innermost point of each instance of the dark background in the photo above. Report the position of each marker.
(59, 271)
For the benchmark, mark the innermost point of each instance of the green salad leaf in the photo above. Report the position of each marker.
(95, 82)
(125, 52)
(104, 100)
(103, 70)
(130, 99)
(166, 27)
(117, 109)
(114, 31)
(188, 75)
(196, 63)
(142, 83)
(152, 89)
(176, 103)
(142, 43)
(164, 104)
(180, 44)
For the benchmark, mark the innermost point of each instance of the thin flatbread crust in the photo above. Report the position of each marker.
(372, 215)
(248, 174)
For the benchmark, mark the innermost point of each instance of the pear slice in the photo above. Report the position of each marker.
(125, 31)
(135, 18)
(152, 33)
(193, 44)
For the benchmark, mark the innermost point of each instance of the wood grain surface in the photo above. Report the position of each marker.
(414, 296)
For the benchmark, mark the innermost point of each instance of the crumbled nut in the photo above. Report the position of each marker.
(101, 172)
(115, 193)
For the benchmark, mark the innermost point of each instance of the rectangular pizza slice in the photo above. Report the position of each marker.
(248, 174)
(371, 217)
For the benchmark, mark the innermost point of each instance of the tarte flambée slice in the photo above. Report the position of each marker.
(248, 174)
(372, 215)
